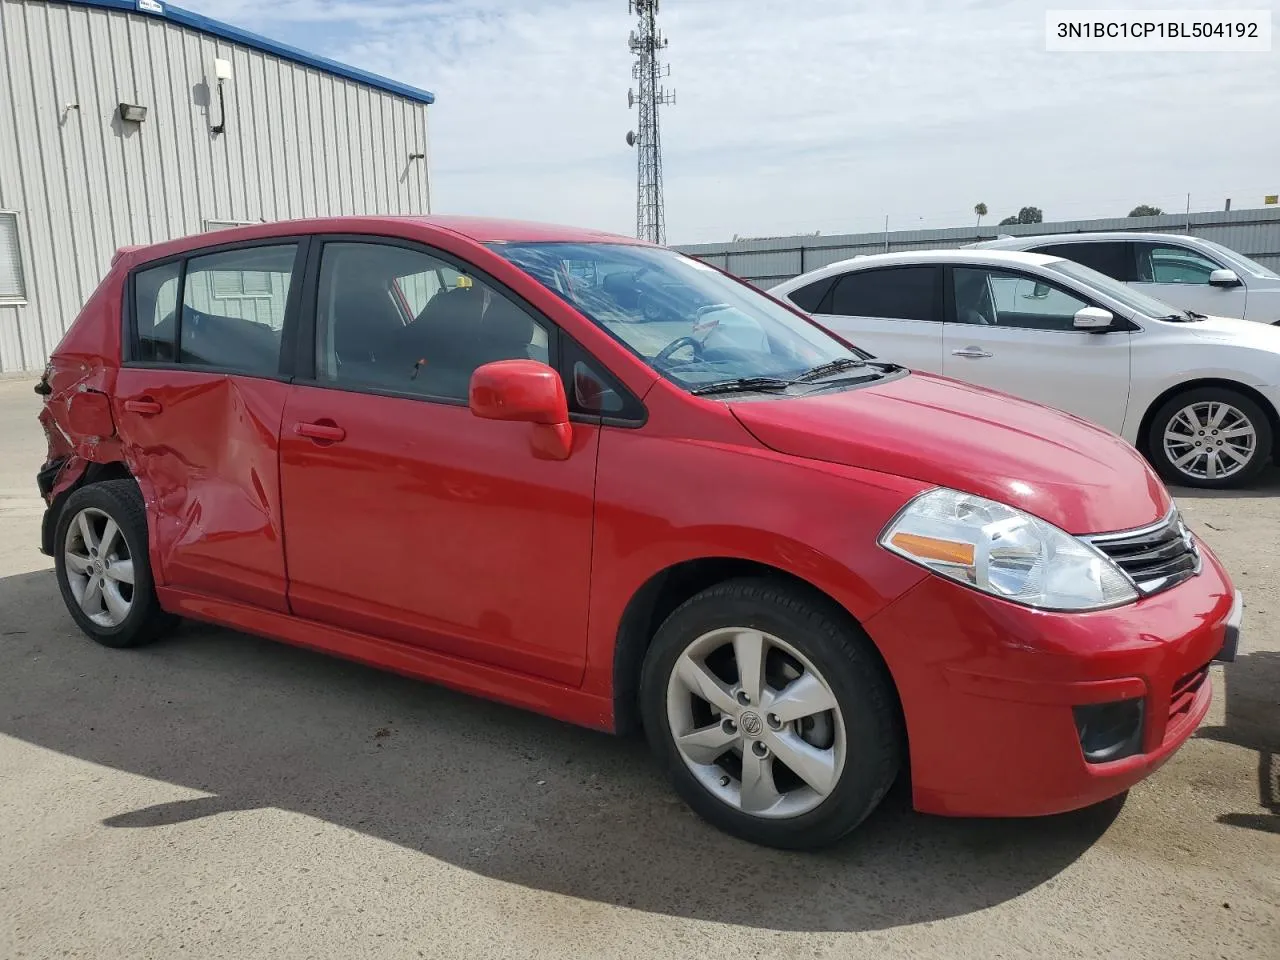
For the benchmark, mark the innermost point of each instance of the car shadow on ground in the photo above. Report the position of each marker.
(251, 724)
(1266, 485)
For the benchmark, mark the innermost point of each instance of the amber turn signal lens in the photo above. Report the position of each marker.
(931, 548)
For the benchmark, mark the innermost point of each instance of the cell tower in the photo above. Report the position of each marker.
(647, 43)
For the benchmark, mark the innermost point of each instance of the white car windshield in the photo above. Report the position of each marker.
(687, 320)
(1116, 290)
(1240, 261)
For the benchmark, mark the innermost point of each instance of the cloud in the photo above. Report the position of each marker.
(790, 117)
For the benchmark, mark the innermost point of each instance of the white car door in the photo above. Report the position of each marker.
(892, 312)
(1179, 276)
(1014, 332)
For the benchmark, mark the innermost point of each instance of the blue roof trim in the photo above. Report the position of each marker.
(167, 11)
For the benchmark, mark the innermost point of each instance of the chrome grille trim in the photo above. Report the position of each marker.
(1155, 557)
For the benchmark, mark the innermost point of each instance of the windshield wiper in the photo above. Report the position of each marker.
(834, 366)
(742, 385)
(1196, 316)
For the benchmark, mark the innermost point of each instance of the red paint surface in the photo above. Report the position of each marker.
(419, 537)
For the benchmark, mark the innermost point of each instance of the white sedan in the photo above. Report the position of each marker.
(1198, 395)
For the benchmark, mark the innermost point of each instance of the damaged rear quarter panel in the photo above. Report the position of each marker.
(208, 466)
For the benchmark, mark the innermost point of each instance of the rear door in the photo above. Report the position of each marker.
(893, 312)
(1013, 332)
(1179, 275)
(198, 402)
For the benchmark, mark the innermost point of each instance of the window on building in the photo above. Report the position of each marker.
(898, 293)
(233, 306)
(398, 319)
(13, 286)
(1114, 258)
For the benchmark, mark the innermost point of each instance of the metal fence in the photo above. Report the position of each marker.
(765, 262)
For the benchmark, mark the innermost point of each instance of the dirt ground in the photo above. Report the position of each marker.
(219, 795)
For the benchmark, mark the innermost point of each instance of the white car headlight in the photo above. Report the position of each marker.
(1005, 552)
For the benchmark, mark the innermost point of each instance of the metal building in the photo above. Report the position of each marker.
(133, 121)
(767, 261)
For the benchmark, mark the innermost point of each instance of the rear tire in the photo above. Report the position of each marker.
(794, 759)
(1206, 430)
(103, 567)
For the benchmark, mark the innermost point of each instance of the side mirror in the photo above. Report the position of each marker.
(1224, 278)
(525, 391)
(1092, 318)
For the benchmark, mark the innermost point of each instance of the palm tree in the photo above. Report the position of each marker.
(981, 210)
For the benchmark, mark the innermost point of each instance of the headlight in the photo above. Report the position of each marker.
(1004, 552)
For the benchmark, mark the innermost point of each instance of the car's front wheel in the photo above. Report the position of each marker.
(771, 713)
(102, 565)
(1210, 437)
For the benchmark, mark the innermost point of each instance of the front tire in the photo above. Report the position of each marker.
(103, 568)
(771, 714)
(1210, 437)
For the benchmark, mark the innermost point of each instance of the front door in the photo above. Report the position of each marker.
(892, 312)
(1179, 276)
(407, 517)
(198, 406)
(1014, 333)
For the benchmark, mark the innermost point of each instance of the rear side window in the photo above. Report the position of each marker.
(1115, 259)
(808, 298)
(900, 293)
(231, 315)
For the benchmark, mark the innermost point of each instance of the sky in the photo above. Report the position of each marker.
(796, 116)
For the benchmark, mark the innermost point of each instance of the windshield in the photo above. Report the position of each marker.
(1121, 292)
(1240, 261)
(688, 321)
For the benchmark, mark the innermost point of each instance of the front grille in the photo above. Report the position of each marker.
(1156, 557)
(1185, 690)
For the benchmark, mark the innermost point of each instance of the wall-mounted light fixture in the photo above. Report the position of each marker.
(417, 156)
(132, 112)
(222, 73)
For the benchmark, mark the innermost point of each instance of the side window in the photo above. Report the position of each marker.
(809, 298)
(155, 304)
(1166, 263)
(233, 306)
(898, 293)
(1004, 299)
(592, 390)
(1114, 258)
(399, 319)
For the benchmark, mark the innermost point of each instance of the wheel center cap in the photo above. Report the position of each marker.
(751, 724)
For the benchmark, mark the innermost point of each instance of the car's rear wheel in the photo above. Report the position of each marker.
(102, 565)
(1210, 437)
(771, 713)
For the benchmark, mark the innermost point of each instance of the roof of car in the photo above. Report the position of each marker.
(477, 229)
(950, 255)
(1013, 243)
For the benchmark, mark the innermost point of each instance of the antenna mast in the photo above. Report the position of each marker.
(647, 43)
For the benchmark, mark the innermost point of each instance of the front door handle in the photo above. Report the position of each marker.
(145, 406)
(323, 431)
(972, 353)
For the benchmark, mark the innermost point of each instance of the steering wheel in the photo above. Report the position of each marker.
(678, 343)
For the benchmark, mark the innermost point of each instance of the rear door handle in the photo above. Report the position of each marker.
(973, 353)
(145, 406)
(326, 432)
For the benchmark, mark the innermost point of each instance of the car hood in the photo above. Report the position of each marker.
(1056, 466)
(1243, 333)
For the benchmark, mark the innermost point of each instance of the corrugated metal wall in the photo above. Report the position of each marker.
(298, 143)
(1255, 233)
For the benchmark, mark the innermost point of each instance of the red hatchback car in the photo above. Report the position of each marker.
(607, 482)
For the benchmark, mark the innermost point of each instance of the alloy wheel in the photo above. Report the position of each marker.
(99, 567)
(756, 722)
(1210, 440)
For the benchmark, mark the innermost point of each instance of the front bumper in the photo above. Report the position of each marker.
(988, 689)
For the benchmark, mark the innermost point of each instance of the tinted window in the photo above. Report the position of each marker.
(155, 300)
(1115, 259)
(810, 296)
(1165, 263)
(903, 293)
(1004, 299)
(233, 307)
(402, 320)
